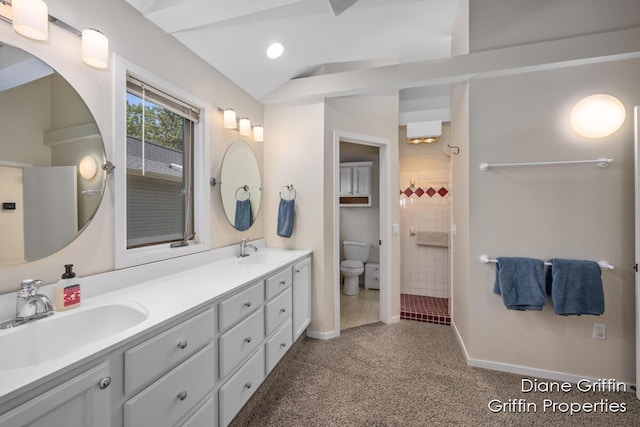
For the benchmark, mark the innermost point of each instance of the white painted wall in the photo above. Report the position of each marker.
(160, 54)
(568, 211)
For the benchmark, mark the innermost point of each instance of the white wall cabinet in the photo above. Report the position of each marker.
(84, 401)
(355, 184)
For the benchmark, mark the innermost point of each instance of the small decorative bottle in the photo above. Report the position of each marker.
(67, 290)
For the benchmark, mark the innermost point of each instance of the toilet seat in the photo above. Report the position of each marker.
(349, 264)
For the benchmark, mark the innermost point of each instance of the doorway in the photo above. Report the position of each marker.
(380, 247)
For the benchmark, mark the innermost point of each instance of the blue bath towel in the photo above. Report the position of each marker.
(575, 287)
(285, 217)
(520, 281)
(243, 215)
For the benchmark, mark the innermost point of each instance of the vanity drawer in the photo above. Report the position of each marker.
(239, 341)
(156, 356)
(235, 392)
(279, 344)
(278, 310)
(170, 398)
(204, 416)
(278, 282)
(240, 305)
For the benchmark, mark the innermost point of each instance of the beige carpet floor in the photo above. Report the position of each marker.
(412, 374)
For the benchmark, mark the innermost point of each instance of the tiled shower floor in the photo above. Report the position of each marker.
(425, 309)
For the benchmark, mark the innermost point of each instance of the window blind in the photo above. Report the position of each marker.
(171, 103)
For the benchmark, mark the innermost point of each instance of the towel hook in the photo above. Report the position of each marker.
(453, 147)
(290, 188)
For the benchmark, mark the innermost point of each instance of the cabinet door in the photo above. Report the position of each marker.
(346, 179)
(83, 401)
(301, 297)
(362, 180)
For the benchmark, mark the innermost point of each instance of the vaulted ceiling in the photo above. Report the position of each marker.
(233, 35)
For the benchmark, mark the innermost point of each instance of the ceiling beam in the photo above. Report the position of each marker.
(610, 46)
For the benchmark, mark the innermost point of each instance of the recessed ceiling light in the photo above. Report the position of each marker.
(275, 50)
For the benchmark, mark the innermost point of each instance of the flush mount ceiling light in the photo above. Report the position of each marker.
(95, 48)
(88, 167)
(31, 18)
(275, 50)
(597, 116)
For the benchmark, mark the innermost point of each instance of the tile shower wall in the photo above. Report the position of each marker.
(424, 207)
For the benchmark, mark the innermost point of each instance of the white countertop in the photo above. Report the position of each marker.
(164, 298)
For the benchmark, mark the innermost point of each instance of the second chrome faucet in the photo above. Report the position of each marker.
(244, 245)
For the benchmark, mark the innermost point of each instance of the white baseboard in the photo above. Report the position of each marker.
(394, 319)
(525, 371)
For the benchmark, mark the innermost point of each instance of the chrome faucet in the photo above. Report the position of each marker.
(30, 305)
(243, 248)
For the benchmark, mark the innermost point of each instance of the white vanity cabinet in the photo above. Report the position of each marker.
(83, 401)
(355, 183)
(301, 297)
(196, 368)
(176, 369)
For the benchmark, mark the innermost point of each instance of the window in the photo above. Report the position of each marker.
(161, 204)
(159, 167)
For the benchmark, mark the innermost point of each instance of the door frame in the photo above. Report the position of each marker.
(636, 148)
(384, 224)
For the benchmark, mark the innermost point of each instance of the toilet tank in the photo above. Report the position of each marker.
(357, 251)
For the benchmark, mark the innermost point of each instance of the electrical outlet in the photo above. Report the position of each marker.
(599, 331)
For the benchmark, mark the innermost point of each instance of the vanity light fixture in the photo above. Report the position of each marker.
(258, 133)
(597, 116)
(30, 18)
(229, 117)
(95, 48)
(88, 167)
(244, 126)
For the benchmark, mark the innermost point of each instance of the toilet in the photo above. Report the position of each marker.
(356, 254)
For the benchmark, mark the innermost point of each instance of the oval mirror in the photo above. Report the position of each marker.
(50, 159)
(240, 185)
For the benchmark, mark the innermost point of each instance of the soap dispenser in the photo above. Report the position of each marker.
(67, 290)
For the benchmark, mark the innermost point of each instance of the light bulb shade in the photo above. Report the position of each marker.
(258, 133)
(95, 48)
(31, 18)
(229, 118)
(244, 126)
(88, 167)
(597, 116)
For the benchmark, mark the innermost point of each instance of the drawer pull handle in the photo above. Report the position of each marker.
(104, 383)
(182, 345)
(247, 339)
(282, 310)
(182, 395)
(247, 385)
(297, 271)
(247, 304)
(282, 282)
(283, 344)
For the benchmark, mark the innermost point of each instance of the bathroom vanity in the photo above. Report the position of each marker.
(208, 338)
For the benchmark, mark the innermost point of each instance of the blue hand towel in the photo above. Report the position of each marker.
(285, 217)
(575, 287)
(520, 281)
(243, 215)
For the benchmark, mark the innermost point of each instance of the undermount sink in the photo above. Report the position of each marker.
(264, 257)
(47, 339)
